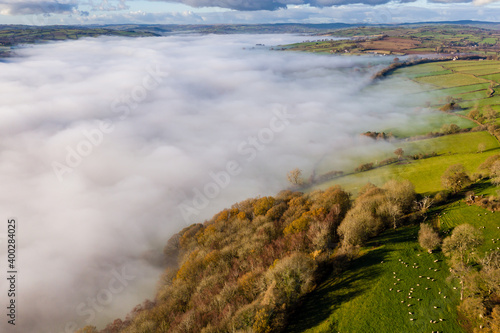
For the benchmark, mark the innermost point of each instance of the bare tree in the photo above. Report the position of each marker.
(428, 238)
(295, 177)
(424, 204)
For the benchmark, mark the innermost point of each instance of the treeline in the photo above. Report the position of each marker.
(247, 267)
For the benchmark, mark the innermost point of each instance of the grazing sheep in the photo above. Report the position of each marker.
(435, 307)
(439, 293)
(409, 305)
(420, 276)
(402, 301)
(412, 319)
(444, 296)
(399, 291)
(428, 278)
(419, 299)
(436, 260)
(426, 288)
(410, 312)
(418, 284)
(390, 289)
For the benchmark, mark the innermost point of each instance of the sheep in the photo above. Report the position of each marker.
(412, 319)
(390, 289)
(439, 293)
(435, 307)
(399, 291)
(418, 284)
(409, 305)
(444, 296)
(410, 312)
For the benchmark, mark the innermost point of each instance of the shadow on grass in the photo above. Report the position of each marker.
(320, 304)
(391, 236)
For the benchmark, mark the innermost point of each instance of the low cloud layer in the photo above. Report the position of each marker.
(108, 146)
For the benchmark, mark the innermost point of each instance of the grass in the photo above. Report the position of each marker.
(431, 122)
(450, 80)
(424, 174)
(464, 143)
(458, 213)
(360, 300)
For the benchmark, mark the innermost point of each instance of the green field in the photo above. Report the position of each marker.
(459, 213)
(361, 299)
(450, 80)
(425, 174)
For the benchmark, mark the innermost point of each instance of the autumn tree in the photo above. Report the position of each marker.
(428, 238)
(295, 177)
(455, 178)
(399, 153)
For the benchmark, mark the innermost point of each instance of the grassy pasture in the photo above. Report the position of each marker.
(458, 213)
(489, 40)
(361, 299)
(479, 94)
(423, 124)
(492, 77)
(463, 89)
(424, 174)
(450, 80)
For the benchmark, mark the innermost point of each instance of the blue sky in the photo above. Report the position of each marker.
(242, 11)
